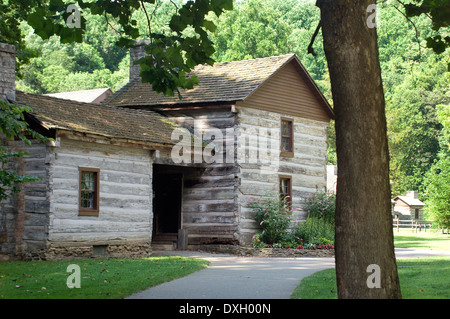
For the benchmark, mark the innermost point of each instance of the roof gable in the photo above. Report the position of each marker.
(291, 91)
(222, 82)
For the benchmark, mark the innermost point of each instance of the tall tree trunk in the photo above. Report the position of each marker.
(364, 233)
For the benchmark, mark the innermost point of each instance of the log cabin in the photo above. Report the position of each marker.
(145, 171)
(267, 120)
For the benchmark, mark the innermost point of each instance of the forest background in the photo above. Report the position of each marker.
(416, 80)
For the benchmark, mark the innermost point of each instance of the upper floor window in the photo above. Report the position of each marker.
(287, 137)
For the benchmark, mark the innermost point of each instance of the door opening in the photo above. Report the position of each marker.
(167, 189)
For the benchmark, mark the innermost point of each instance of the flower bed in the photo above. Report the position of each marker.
(278, 229)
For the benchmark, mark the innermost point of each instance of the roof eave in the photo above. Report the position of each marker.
(112, 140)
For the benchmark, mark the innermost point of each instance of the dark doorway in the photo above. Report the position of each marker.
(167, 187)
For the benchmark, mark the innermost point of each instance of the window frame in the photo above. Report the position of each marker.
(289, 190)
(84, 211)
(290, 152)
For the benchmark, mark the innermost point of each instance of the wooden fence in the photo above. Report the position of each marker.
(416, 225)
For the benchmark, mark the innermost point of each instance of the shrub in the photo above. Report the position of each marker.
(257, 243)
(273, 216)
(321, 206)
(315, 231)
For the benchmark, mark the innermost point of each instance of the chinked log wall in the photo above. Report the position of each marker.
(215, 196)
(124, 223)
(24, 217)
(307, 168)
(209, 209)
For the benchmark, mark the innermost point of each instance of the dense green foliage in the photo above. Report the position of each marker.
(173, 52)
(437, 179)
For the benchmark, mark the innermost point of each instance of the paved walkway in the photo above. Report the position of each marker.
(232, 277)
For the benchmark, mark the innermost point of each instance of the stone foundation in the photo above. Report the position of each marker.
(101, 250)
(265, 252)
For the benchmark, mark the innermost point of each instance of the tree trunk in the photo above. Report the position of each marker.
(364, 232)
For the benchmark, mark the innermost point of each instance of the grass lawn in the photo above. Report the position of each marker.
(421, 240)
(420, 278)
(100, 278)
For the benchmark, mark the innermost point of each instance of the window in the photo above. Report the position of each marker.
(416, 213)
(286, 188)
(88, 191)
(287, 137)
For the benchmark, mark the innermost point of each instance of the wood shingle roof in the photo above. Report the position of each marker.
(101, 120)
(222, 82)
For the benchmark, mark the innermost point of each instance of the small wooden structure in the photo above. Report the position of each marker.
(408, 207)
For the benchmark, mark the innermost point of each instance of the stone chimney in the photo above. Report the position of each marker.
(7, 71)
(412, 194)
(135, 54)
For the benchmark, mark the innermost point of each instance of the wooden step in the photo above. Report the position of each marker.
(165, 238)
(164, 247)
(164, 241)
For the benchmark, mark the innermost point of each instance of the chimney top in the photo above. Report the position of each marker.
(137, 52)
(7, 71)
(412, 194)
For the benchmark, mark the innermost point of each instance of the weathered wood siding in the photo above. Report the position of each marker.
(260, 169)
(209, 205)
(24, 217)
(288, 92)
(125, 209)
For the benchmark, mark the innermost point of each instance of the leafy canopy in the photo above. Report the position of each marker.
(171, 55)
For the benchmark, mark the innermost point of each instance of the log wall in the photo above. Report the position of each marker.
(24, 216)
(209, 205)
(125, 207)
(259, 170)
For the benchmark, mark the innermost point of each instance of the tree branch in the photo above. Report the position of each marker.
(413, 24)
(310, 46)
(148, 21)
(107, 22)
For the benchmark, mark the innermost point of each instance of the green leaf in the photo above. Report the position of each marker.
(209, 25)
